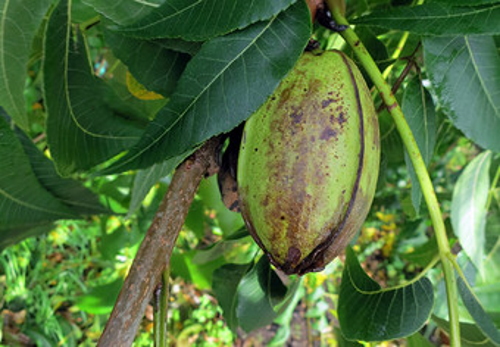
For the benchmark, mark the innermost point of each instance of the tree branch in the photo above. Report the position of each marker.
(156, 248)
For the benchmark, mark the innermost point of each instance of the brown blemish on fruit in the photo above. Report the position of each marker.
(328, 133)
(297, 117)
(285, 95)
(265, 202)
(341, 118)
(327, 102)
(293, 255)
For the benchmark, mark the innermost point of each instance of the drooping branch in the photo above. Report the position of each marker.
(156, 248)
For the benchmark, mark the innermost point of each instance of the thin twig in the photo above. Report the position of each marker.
(156, 248)
(406, 71)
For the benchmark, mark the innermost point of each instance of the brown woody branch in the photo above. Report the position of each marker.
(156, 248)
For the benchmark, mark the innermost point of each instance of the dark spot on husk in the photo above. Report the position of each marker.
(328, 133)
(265, 202)
(341, 118)
(293, 256)
(297, 117)
(285, 95)
(325, 103)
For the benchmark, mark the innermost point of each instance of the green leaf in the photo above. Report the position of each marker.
(157, 68)
(392, 146)
(470, 334)
(375, 47)
(70, 192)
(19, 22)
(199, 274)
(25, 203)
(178, 45)
(369, 313)
(196, 221)
(424, 254)
(229, 78)
(492, 262)
(436, 19)
(417, 340)
(225, 283)
(124, 11)
(87, 123)
(81, 12)
(226, 248)
(121, 85)
(147, 178)
(258, 292)
(111, 243)
(478, 313)
(468, 207)
(420, 114)
(100, 299)
(117, 192)
(342, 341)
(489, 296)
(227, 220)
(287, 313)
(465, 74)
(202, 19)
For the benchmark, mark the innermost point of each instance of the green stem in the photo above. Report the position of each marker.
(493, 188)
(161, 311)
(420, 169)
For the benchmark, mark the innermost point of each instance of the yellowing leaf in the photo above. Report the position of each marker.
(139, 91)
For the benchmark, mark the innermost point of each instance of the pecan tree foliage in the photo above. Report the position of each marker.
(134, 89)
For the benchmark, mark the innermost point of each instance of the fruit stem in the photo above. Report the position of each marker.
(406, 134)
